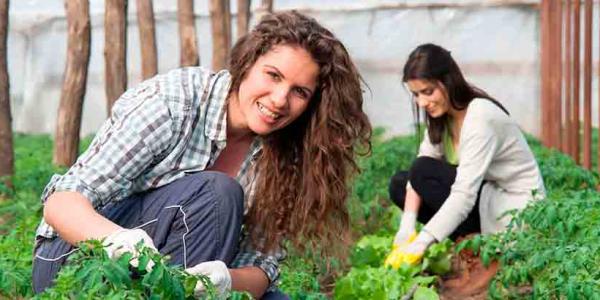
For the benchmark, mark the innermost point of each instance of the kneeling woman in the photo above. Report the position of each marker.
(473, 165)
(188, 157)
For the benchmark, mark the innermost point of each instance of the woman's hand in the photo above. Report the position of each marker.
(411, 252)
(126, 240)
(218, 273)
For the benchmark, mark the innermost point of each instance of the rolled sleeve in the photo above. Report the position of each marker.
(268, 263)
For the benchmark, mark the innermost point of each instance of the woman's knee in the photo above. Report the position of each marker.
(423, 168)
(423, 165)
(397, 188)
(228, 191)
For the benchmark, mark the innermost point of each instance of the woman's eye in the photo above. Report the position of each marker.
(273, 75)
(302, 93)
(428, 92)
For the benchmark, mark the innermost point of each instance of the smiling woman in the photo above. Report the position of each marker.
(276, 90)
(190, 156)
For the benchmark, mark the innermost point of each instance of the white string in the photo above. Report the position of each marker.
(55, 259)
(187, 230)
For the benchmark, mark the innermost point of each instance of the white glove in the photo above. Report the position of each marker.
(407, 227)
(124, 240)
(218, 273)
(420, 244)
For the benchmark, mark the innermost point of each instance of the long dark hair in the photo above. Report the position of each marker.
(434, 63)
(304, 168)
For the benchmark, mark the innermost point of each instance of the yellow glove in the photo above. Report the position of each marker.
(398, 256)
(411, 251)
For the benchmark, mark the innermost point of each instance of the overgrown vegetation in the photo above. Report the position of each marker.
(551, 250)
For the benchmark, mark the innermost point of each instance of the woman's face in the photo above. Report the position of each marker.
(430, 96)
(277, 89)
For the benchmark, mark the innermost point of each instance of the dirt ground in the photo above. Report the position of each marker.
(464, 274)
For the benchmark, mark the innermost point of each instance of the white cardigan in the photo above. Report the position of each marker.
(492, 148)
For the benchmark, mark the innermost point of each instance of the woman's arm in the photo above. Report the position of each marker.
(73, 216)
(412, 201)
(479, 143)
(139, 130)
(250, 279)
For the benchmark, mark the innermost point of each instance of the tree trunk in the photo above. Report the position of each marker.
(66, 144)
(266, 7)
(6, 141)
(187, 34)
(115, 45)
(220, 17)
(145, 16)
(243, 17)
(68, 124)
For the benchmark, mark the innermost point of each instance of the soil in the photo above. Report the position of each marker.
(467, 279)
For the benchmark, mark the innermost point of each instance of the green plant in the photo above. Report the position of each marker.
(368, 276)
(299, 278)
(369, 204)
(550, 251)
(99, 277)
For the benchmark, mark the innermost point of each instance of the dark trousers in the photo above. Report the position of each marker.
(213, 204)
(432, 179)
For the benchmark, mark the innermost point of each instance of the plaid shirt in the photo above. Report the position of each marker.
(168, 126)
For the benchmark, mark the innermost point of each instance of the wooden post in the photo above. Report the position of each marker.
(243, 17)
(68, 124)
(545, 101)
(220, 17)
(598, 149)
(576, 81)
(6, 140)
(567, 139)
(587, 85)
(187, 34)
(556, 121)
(145, 15)
(266, 7)
(115, 45)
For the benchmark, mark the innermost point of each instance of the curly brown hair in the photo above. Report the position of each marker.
(305, 167)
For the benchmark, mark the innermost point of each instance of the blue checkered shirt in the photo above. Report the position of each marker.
(167, 126)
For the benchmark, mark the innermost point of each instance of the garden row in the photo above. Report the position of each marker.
(551, 250)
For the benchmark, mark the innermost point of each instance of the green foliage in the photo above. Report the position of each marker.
(551, 250)
(21, 213)
(560, 172)
(380, 282)
(370, 250)
(368, 276)
(299, 278)
(369, 204)
(98, 277)
(16, 246)
(552, 246)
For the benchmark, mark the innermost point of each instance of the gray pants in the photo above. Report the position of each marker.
(213, 206)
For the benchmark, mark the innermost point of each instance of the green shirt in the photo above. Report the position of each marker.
(449, 151)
